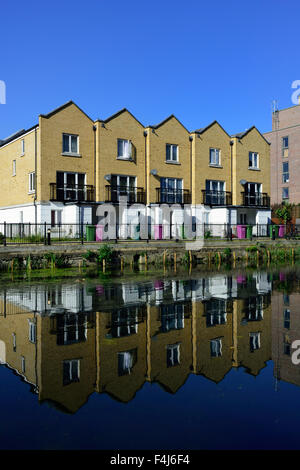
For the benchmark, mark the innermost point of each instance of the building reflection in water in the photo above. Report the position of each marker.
(69, 341)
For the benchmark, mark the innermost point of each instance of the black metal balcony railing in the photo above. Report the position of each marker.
(72, 192)
(133, 194)
(173, 196)
(216, 198)
(256, 199)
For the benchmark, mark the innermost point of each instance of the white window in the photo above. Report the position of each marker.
(22, 147)
(171, 153)
(14, 168)
(254, 341)
(171, 190)
(32, 331)
(124, 149)
(216, 347)
(31, 177)
(23, 364)
(173, 355)
(214, 157)
(70, 144)
(71, 371)
(126, 361)
(253, 160)
(14, 338)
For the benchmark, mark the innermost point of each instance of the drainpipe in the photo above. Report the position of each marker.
(35, 178)
(231, 177)
(191, 167)
(145, 135)
(95, 162)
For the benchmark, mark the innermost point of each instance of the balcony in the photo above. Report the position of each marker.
(133, 194)
(255, 199)
(72, 192)
(173, 196)
(216, 198)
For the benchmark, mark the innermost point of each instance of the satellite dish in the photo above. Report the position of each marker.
(107, 177)
(243, 182)
(153, 172)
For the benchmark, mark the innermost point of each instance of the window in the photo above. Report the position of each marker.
(14, 168)
(171, 153)
(173, 355)
(32, 331)
(286, 299)
(285, 142)
(70, 144)
(124, 322)
(171, 190)
(214, 157)
(216, 347)
(126, 361)
(31, 182)
(172, 317)
(254, 341)
(215, 192)
(285, 193)
(253, 160)
(14, 342)
(70, 186)
(22, 147)
(285, 172)
(121, 185)
(215, 311)
(286, 348)
(286, 319)
(23, 364)
(71, 328)
(71, 371)
(124, 149)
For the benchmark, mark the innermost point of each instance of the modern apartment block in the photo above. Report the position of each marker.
(61, 169)
(285, 155)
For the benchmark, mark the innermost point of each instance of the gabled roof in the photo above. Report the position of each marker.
(115, 115)
(17, 134)
(172, 116)
(241, 135)
(63, 106)
(204, 129)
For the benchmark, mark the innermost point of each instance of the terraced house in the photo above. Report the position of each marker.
(61, 169)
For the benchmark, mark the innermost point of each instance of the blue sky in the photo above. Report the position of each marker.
(199, 60)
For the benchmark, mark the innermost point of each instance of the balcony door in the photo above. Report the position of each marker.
(70, 186)
(253, 194)
(171, 190)
(122, 185)
(215, 192)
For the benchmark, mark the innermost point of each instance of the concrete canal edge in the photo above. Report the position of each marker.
(156, 252)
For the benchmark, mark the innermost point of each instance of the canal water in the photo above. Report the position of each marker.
(198, 362)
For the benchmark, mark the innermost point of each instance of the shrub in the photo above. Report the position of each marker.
(105, 253)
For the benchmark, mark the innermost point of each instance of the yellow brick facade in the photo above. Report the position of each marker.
(97, 158)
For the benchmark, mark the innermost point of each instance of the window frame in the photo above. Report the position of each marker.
(284, 173)
(171, 148)
(288, 193)
(123, 156)
(14, 167)
(22, 147)
(65, 152)
(31, 182)
(252, 156)
(211, 150)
